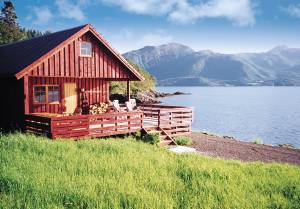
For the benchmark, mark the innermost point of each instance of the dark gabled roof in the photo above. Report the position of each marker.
(16, 56)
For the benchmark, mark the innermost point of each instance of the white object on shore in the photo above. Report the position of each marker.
(182, 149)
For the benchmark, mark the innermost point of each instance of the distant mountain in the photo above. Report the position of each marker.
(176, 64)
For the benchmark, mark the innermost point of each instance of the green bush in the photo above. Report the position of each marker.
(183, 140)
(152, 138)
(257, 141)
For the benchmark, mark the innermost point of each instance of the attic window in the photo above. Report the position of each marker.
(85, 49)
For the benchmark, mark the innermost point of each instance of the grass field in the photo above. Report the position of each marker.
(123, 173)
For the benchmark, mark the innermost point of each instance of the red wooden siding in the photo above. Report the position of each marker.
(97, 91)
(67, 63)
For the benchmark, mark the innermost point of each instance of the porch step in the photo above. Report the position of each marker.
(166, 142)
(164, 138)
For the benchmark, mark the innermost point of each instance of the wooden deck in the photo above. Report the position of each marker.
(173, 119)
(170, 121)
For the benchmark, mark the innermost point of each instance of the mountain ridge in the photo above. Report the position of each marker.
(178, 64)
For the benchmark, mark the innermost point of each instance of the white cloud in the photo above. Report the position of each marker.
(293, 10)
(70, 10)
(41, 15)
(149, 7)
(239, 11)
(155, 38)
(129, 39)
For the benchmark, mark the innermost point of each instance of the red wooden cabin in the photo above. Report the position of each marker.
(43, 77)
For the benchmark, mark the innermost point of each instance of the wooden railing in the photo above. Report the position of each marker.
(70, 126)
(174, 120)
(115, 123)
(37, 125)
(82, 126)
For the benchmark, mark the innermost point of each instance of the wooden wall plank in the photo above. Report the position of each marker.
(76, 58)
(61, 63)
(72, 60)
(56, 64)
(26, 95)
(67, 61)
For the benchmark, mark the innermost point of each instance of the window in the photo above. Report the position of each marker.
(46, 94)
(39, 94)
(85, 49)
(53, 94)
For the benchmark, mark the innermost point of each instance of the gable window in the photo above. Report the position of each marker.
(85, 49)
(46, 94)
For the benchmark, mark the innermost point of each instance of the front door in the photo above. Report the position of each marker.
(70, 97)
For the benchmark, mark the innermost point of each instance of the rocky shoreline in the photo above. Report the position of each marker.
(231, 148)
(148, 97)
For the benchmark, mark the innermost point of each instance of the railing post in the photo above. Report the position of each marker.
(51, 128)
(158, 118)
(128, 118)
(142, 120)
(102, 125)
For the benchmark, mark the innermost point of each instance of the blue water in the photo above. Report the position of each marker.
(271, 114)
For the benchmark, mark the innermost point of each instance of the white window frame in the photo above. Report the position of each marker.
(86, 49)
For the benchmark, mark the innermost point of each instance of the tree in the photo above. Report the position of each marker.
(136, 86)
(9, 27)
(29, 33)
(10, 30)
(9, 15)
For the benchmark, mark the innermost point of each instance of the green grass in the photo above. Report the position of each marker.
(183, 140)
(38, 173)
(152, 138)
(257, 141)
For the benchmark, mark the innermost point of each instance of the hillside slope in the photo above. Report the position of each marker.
(123, 173)
(176, 64)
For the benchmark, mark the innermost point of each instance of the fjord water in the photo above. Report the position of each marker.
(271, 114)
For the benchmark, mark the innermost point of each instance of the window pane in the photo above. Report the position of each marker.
(42, 98)
(86, 49)
(53, 94)
(53, 98)
(39, 94)
(36, 99)
(40, 88)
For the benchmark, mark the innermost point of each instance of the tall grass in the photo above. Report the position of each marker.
(39, 173)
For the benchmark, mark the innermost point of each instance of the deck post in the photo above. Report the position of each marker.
(128, 90)
(142, 120)
(158, 119)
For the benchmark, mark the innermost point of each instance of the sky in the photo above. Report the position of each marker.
(224, 26)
